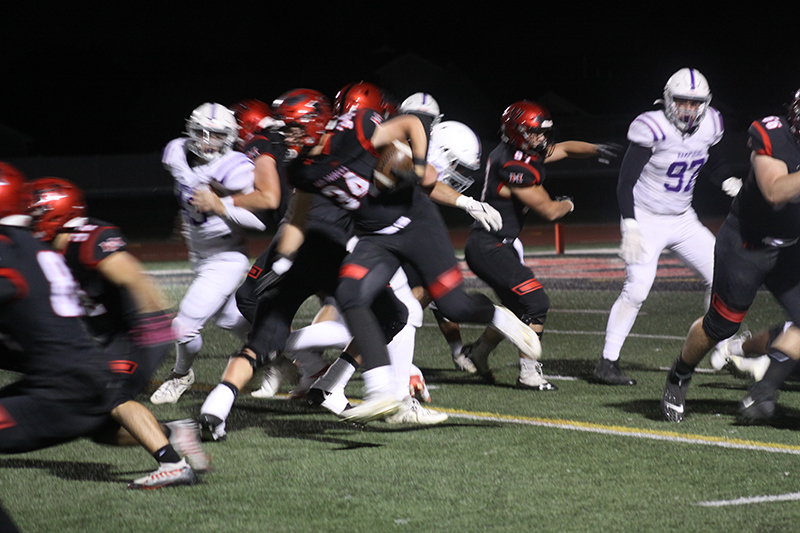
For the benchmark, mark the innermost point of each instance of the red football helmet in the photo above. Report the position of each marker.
(53, 203)
(305, 114)
(794, 115)
(359, 94)
(249, 113)
(527, 126)
(13, 197)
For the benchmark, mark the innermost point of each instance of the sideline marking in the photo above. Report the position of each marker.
(623, 431)
(792, 496)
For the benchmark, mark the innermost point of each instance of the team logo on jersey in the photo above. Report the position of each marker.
(254, 272)
(112, 245)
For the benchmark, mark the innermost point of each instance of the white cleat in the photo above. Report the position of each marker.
(463, 363)
(335, 402)
(185, 439)
(372, 408)
(167, 474)
(173, 388)
(517, 332)
(274, 375)
(748, 367)
(412, 412)
(532, 378)
(727, 348)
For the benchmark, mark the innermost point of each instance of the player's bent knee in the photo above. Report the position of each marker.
(718, 327)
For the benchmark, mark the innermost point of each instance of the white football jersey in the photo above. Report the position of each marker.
(228, 174)
(667, 181)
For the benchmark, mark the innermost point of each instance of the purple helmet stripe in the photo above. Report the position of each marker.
(691, 74)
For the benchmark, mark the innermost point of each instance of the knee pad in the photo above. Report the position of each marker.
(722, 321)
(531, 319)
(536, 306)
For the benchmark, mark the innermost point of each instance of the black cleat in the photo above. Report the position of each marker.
(758, 407)
(212, 428)
(609, 373)
(673, 401)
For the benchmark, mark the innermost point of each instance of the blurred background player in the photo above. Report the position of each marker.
(667, 149)
(67, 389)
(216, 241)
(514, 184)
(756, 245)
(124, 311)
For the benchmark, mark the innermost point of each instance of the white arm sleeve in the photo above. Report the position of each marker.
(241, 216)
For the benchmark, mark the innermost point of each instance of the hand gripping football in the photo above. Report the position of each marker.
(395, 165)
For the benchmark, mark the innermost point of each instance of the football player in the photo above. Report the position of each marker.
(67, 389)
(756, 245)
(124, 311)
(667, 150)
(515, 184)
(205, 159)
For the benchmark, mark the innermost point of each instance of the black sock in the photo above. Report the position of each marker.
(167, 454)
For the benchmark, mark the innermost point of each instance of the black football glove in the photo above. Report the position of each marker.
(268, 281)
(608, 152)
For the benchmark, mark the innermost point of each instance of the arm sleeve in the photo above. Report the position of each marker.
(636, 157)
(241, 216)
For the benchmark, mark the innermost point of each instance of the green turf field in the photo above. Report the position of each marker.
(584, 458)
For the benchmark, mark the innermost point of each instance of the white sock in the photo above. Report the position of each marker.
(620, 322)
(401, 353)
(328, 334)
(218, 402)
(337, 376)
(455, 348)
(379, 381)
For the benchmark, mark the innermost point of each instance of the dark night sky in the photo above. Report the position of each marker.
(82, 81)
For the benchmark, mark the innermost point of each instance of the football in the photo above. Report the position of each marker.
(392, 158)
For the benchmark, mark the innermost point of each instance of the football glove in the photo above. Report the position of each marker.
(567, 199)
(267, 282)
(731, 186)
(608, 151)
(633, 248)
(487, 215)
(153, 329)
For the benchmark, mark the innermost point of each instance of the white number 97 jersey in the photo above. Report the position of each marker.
(666, 183)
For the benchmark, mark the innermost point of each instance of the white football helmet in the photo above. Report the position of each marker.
(421, 103)
(458, 144)
(212, 131)
(693, 95)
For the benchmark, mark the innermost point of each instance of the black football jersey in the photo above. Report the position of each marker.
(109, 308)
(40, 320)
(343, 173)
(506, 168)
(270, 143)
(769, 136)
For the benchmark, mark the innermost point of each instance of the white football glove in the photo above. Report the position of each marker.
(731, 186)
(482, 212)
(633, 248)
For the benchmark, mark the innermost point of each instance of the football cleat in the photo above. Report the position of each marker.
(335, 402)
(481, 364)
(725, 349)
(185, 439)
(412, 412)
(673, 401)
(531, 377)
(305, 382)
(463, 364)
(275, 373)
(168, 474)
(372, 408)
(609, 373)
(748, 368)
(173, 388)
(522, 336)
(756, 408)
(418, 389)
(212, 428)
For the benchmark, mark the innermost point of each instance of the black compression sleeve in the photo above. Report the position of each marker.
(636, 157)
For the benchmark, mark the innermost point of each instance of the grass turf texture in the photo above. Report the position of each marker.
(287, 467)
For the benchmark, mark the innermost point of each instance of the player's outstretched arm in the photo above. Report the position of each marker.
(124, 270)
(538, 199)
